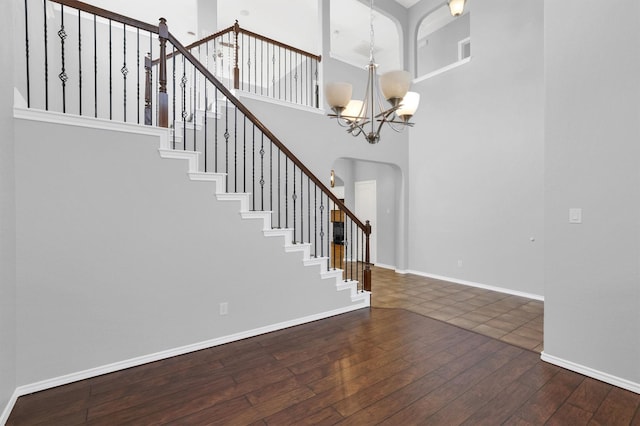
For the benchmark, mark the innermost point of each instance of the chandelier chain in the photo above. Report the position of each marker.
(371, 33)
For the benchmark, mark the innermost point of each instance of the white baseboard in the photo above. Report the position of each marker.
(134, 362)
(383, 266)
(588, 371)
(479, 285)
(7, 410)
(32, 114)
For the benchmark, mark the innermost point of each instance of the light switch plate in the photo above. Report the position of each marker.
(575, 215)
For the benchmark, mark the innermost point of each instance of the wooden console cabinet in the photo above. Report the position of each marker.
(337, 250)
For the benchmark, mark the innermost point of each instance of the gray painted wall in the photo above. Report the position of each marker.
(592, 271)
(119, 255)
(7, 214)
(476, 155)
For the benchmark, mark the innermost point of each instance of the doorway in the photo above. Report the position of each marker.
(366, 208)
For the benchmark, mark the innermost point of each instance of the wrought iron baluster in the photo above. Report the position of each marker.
(26, 49)
(262, 152)
(309, 208)
(206, 113)
(272, 68)
(110, 74)
(248, 77)
(79, 64)
(95, 68)
(358, 232)
(351, 249)
(253, 166)
(317, 86)
(322, 227)
(294, 197)
(286, 194)
(235, 150)
(194, 106)
(291, 67)
(46, 57)
(226, 143)
(173, 94)
(215, 131)
(315, 219)
(270, 177)
(206, 109)
(183, 86)
(63, 74)
(138, 72)
(279, 201)
(124, 69)
(329, 231)
(301, 207)
(244, 154)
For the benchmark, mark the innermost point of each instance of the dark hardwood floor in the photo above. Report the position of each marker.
(380, 366)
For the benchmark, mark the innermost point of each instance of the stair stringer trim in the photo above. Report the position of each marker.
(358, 298)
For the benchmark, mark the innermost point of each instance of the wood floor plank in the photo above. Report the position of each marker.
(569, 414)
(590, 395)
(377, 366)
(541, 406)
(619, 408)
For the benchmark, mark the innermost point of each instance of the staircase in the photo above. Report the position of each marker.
(105, 239)
(359, 299)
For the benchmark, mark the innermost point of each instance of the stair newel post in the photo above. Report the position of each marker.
(236, 68)
(367, 265)
(163, 98)
(148, 103)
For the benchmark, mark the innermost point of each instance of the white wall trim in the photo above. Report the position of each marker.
(92, 122)
(588, 371)
(479, 285)
(443, 69)
(248, 95)
(7, 410)
(383, 266)
(133, 362)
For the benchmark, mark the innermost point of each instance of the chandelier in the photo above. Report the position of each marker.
(366, 117)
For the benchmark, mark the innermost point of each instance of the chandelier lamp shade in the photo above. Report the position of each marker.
(456, 7)
(368, 116)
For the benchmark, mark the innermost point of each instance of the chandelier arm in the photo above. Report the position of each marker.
(386, 115)
(399, 129)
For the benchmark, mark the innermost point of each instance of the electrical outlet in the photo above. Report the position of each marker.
(224, 308)
(459, 263)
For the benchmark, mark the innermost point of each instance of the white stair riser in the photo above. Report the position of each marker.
(193, 159)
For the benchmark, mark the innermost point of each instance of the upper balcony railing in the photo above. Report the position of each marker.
(260, 65)
(83, 60)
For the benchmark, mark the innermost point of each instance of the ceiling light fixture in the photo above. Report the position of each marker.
(456, 7)
(367, 116)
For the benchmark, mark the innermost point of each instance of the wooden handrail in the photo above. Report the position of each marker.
(238, 29)
(280, 44)
(108, 15)
(198, 43)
